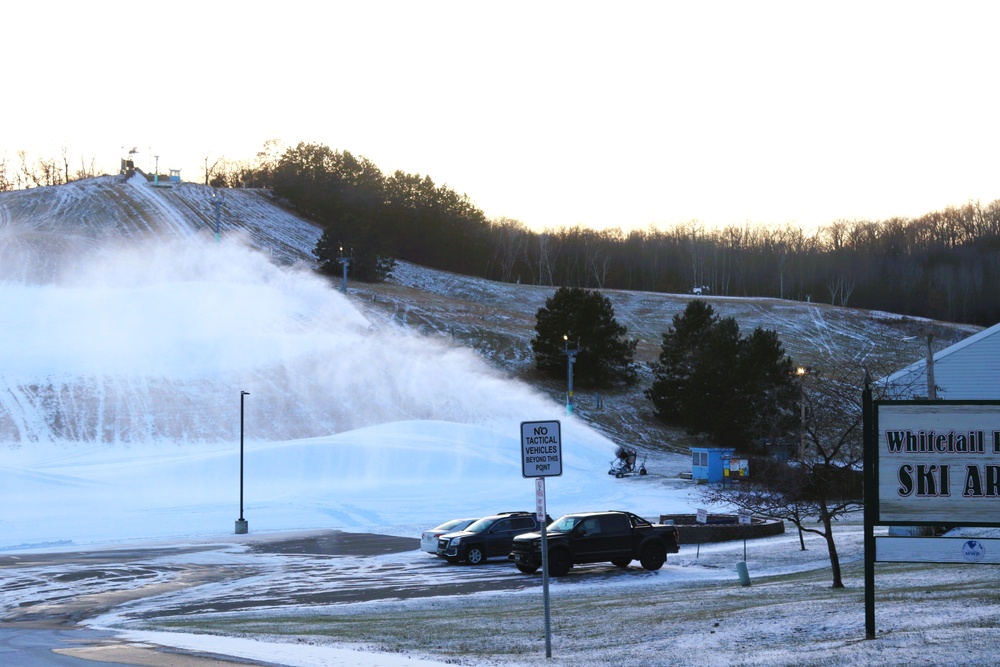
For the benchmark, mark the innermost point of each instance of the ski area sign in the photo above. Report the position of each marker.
(938, 463)
(541, 449)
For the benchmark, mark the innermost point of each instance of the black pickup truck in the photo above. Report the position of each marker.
(596, 537)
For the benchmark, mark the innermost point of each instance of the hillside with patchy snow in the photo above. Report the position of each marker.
(126, 321)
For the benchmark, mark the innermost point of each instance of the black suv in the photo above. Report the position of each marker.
(488, 537)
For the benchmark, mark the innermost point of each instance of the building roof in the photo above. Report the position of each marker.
(968, 370)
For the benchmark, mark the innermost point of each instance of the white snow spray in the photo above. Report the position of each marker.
(154, 341)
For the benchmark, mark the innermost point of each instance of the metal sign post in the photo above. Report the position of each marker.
(541, 457)
(540, 502)
(745, 519)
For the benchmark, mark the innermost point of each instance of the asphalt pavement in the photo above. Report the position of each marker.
(49, 634)
(46, 631)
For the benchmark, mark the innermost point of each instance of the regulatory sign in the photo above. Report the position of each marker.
(541, 449)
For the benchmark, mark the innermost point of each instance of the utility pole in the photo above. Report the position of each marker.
(931, 386)
(929, 364)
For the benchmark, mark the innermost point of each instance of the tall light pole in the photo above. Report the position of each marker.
(802, 372)
(156, 174)
(241, 524)
(570, 358)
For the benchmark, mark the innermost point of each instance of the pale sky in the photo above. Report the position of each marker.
(552, 113)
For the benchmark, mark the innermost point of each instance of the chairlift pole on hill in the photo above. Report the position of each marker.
(570, 358)
(217, 205)
(345, 262)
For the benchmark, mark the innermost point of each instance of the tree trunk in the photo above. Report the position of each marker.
(838, 582)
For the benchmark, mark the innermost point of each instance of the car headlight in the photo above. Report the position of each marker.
(455, 541)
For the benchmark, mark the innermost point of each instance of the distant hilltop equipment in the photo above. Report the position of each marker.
(175, 176)
(128, 164)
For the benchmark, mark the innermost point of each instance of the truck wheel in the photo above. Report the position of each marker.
(475, 556)
(621, 562)
(559, 563)
(653, 556)
(527, 569)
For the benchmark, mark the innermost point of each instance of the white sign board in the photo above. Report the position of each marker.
(541, 449)
(938, 463)
(937, 550)
(702, 516)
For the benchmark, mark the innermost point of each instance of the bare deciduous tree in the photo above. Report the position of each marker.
(510, 240)
(825, 484)
(548, 253)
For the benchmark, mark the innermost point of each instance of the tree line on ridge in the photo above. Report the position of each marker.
(941, 265)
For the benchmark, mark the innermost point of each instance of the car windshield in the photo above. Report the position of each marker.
(451, 525)
(481, 526)
(564, 524)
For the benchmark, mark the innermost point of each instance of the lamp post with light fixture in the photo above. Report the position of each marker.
(801, 372)
(241, 524)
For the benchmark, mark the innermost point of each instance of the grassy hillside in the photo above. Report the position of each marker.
(498, 320)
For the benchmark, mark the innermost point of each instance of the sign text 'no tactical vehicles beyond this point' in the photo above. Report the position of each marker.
(541, 449)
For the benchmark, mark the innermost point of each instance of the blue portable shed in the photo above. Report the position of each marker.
(708, 463)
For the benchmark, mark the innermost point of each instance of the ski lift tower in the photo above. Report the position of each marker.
(345, 262)
(570, 358)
